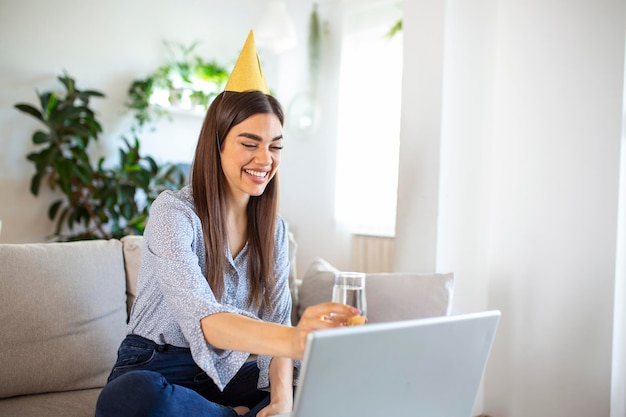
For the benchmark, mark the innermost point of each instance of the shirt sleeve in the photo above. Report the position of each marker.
(171, 239)
(280, 297)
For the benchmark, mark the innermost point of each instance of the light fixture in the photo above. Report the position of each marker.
(276, 30)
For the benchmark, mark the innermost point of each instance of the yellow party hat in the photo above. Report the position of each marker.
(247, 73)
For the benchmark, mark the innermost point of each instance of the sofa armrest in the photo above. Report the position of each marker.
(132, 257)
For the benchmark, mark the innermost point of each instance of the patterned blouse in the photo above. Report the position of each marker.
(173, 294)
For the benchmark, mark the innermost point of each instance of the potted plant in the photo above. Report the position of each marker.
(96, 202)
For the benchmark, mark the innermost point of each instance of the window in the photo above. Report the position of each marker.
(369, 118)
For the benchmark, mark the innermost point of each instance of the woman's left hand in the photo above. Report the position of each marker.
(274, 408)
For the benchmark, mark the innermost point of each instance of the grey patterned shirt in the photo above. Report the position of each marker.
(173, 294)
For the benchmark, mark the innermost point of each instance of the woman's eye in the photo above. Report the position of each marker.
(278, 148)
(249, 145)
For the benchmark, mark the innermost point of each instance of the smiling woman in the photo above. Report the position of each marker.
(213, 286)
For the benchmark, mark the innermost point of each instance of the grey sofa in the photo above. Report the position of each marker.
(64, 307)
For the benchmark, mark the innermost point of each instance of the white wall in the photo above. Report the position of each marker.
(106, 45)
(308, 164)
(527, 186)
(469, 74)
(554, 226)
(420, 136)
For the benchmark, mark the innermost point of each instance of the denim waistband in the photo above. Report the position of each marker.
(135, 340)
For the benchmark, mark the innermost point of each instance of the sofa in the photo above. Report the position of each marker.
(64, 308)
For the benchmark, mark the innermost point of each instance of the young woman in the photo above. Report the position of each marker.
(213, 282)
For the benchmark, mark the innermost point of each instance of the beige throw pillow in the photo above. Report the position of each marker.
(62, 315)
(390, 296)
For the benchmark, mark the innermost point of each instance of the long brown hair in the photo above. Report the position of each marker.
(208, 189)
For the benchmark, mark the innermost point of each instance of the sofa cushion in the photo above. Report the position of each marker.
(62, 315)
(316, 285)
(403, 296)
(80, 403)
(390, 296)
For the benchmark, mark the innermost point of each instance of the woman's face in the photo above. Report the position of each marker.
(251, 155)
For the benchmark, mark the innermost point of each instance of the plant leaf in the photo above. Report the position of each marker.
(54, 208)
(27, 108)
(40, 137)
(35, 181)
(92, 93)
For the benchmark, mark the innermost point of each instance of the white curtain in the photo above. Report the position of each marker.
(369, 117)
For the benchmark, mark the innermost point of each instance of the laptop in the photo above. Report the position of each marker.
(423, 368)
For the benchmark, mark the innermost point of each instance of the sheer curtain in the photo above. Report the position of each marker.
(618, 376)
(369, 117)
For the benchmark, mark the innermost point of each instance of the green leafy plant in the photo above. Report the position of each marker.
(97, 202)
(186, 76)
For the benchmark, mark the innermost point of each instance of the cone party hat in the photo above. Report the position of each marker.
(247, 73)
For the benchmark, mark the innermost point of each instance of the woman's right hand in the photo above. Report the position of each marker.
(317, 317)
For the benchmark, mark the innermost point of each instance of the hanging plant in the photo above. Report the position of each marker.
(187, 81)
(314, 47)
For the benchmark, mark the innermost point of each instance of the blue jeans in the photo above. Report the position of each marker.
(151, 380)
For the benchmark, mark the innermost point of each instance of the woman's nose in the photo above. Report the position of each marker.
(263, 156)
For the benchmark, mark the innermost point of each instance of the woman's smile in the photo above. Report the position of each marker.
(258, 174)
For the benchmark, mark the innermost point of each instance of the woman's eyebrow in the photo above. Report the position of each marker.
(257, 137)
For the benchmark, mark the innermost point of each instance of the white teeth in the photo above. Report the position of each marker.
(256, 173)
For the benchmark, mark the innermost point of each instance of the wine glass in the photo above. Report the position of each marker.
(349, 289)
